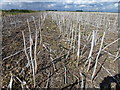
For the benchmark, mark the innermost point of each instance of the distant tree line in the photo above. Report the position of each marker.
(65, 10)
(18, 11)
(79, 10)
(51, 10)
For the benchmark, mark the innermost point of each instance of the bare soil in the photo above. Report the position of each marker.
(13, 42)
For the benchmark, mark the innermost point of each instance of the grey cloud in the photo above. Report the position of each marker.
(104, 6)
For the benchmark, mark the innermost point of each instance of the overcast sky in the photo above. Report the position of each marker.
(68, 1)
(86, 5)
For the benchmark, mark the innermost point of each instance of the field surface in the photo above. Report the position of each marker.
(59, 49)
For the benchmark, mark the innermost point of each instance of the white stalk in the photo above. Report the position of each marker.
(91, 50)
(11, 82)
(96, 61)
(31, 58)
(35, 48)
(25, 50)
(78, 51)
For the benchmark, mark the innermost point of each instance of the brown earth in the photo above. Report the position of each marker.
(13, 42)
